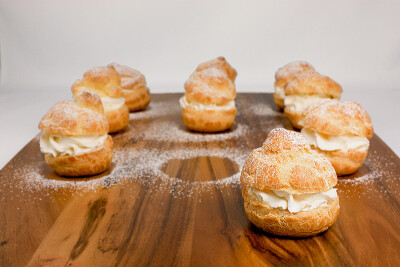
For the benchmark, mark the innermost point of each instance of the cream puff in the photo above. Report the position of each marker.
(209, 101)
(288, 187)
(74, 137)
(340, 131)
(134, 88)
(286, 74)
(105, 82)
(305, 89)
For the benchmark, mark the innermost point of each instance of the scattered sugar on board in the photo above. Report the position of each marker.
(379, 168)
(170, 130)
(174, 132)
(143, 165)
(155, 110)
(140, 165)
(262, 109)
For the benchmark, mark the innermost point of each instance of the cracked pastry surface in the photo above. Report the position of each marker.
(74, 137)
(286, 74)
(105, 82)
(339, 130)
(288, 187)
(306, 89)
(134, 87)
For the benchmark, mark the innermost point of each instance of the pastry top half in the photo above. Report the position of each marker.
(313, 83)
(332, 117)
(285, 162)
(103, 81)
(210, 84)
(221, 63)
(83, 116)
(288, 72)
(131, 79)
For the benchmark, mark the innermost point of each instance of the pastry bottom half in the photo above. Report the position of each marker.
(137, 99)
(294, 118)
(345, 162)
(86, 164)
(283, 223)
(208, 120)
(118, 118)
(279, 102)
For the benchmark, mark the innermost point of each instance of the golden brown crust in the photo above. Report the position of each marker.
(279, 101)
(313, 83)
(131, 79)
(283, 223)
(83, 116)
(210, 86)
(90, 163)
(294, 117)
(208, 120)
(137, 99)
(101, 80)
(338, 118)
(211, 83)
(344, 162)
(133, 83)
(118, 118)
(287, 163)
(221, 63)
(288, 73)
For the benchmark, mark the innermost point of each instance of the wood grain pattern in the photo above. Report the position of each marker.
(133, 223)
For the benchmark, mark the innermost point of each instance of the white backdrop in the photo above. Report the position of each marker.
(50, 43)
(46, 45)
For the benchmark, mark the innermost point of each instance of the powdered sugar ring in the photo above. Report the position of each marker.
(234, 155)
(140, 165)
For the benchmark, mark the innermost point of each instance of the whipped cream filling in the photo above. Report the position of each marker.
(112, 103)
(298, 103)
(280, 92)
(199, 106)
(294, 202)
(63, 145)
(332, 142)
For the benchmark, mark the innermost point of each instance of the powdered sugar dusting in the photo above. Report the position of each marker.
(71, 118)
(96, 72)
(205, 82)
(262, 109)
(292, 68)
(125, 70)
(213, 72)
(170, 128)
(156, 110)
(175, 132)
(349, 116)
(140, 165)
(138, 162)
(130, 77)
(280, 139)
(377, 167)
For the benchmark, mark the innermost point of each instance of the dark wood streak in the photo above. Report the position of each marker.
(95, 214)
(129, 234)
(131, 223)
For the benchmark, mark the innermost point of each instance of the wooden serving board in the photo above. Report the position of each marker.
(172, 198)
